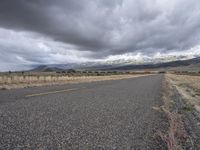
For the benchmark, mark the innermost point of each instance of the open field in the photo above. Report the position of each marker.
(188, 86)
(14, 80)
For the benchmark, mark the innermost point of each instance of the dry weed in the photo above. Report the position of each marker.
(176, 131)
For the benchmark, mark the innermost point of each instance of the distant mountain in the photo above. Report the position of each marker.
(190, 64)
(46, 68)
(181, 64)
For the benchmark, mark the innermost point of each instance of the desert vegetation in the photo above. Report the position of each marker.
(181, 105)
(176, 134)
(26, 79)
(190, 73)
(189, 87)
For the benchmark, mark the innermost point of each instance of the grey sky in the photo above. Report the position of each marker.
(63, 31)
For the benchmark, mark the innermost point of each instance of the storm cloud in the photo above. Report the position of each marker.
(96, 29)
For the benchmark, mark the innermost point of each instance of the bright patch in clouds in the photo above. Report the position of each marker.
(21, 50)
(158, 57)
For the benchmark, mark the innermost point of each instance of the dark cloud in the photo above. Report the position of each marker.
(68, 21)
(108, 27)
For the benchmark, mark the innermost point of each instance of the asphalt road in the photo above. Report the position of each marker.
(99, 115)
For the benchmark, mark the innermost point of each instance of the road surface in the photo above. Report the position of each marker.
(114, 114)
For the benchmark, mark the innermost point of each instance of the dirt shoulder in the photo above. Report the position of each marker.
(17, 82)
(182, 97)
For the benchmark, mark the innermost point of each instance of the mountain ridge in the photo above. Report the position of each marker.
(164, 65)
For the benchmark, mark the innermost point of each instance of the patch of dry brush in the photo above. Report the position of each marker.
(176, 132)
(189, 88)
(16, 81)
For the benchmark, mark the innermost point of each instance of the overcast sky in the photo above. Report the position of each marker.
(77, 31)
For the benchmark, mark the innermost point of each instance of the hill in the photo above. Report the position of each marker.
(182, 65)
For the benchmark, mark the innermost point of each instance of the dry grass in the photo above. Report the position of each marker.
(188, 87)
(9, 82)
(186, 80)
(176, 131)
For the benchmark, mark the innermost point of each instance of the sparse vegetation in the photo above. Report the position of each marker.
(190, 73)
(188, 108)
(17, 79)
(176, 132)
(189, 87)
(182, 98)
